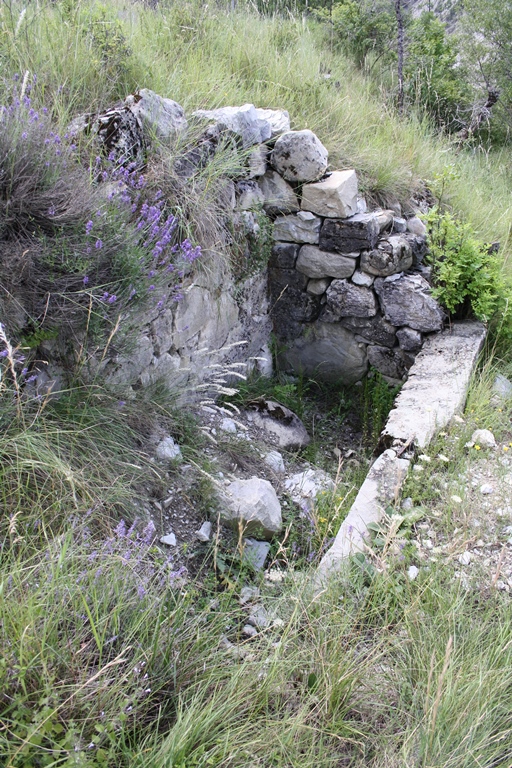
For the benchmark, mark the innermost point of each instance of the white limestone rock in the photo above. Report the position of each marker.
(299, 156)
(248, 195)
(318, 264)
(278, 119)
(335, 196)
(416, 226)
(243, 121)
(164, 117)
(274, 460)
(168, 449)
(392, 254)
(253, 505)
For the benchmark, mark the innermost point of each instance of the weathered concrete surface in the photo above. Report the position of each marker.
(437, 385)
(435, 390)
(381, 487)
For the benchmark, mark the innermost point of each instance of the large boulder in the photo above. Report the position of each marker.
(163, 117)
(329, 352)
(299, 156)
(316, 263)
(344, 299)
(406, 300)
(252, 506)
(335, 196)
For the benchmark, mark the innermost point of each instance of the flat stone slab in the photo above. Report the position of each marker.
(437, 385)
(435, 390)
(381, 487)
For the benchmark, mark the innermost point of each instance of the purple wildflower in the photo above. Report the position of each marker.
(98, 244)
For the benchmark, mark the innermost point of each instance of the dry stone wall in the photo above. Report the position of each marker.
(347, 286)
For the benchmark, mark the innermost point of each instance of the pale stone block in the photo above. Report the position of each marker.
(334, 197)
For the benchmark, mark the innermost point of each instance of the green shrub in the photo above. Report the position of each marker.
(466, 271)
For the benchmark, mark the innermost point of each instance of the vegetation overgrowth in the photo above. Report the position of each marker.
(109, 656)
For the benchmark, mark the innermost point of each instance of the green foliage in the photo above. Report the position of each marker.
(435, 81)
(377, 400)
(361, 27)
(466, 272)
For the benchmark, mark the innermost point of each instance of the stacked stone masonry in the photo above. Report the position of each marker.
(347, 286)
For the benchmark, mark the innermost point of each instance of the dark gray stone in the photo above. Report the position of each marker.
(291, 304)
(284, 255)
(409, 339)
(392, 254)
(358, 233)
(407, 301)
(393, 363)
(344, 299)
(371, 329)
(328, 352)
(303, 227)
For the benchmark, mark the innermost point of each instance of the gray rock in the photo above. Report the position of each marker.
(280, 422)
(304, 487)
(256, 161)
(252, 506)
(318, 286)
(304, 227)
(334, 197)
(255, 553)
(409, 339)
(205, 532)
(274, 460)
(290, 303)
(362, 278)
(299, 156)
(121, 134)
(329, 352)
(169, 539)
(284, 255)
(316, 263)
(407, 301)
(279, 195)
(393, 254)
(358, 233)
(416, 227)
(248, 195)
(502, 387)
(249, 631)
(228, 425)
(168, 449)
(393, 363)
(384, 220)
(371, 329)
(412, 572)
(242, 121)
(249, 595)
(278, 119)
(484, 438)
(259, 617)
(163, 117)
(399, 225)
(486, 489)
(344, 299)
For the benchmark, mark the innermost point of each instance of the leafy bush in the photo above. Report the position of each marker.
(466, 271)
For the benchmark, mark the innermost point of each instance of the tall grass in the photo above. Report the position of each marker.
(88, 56)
